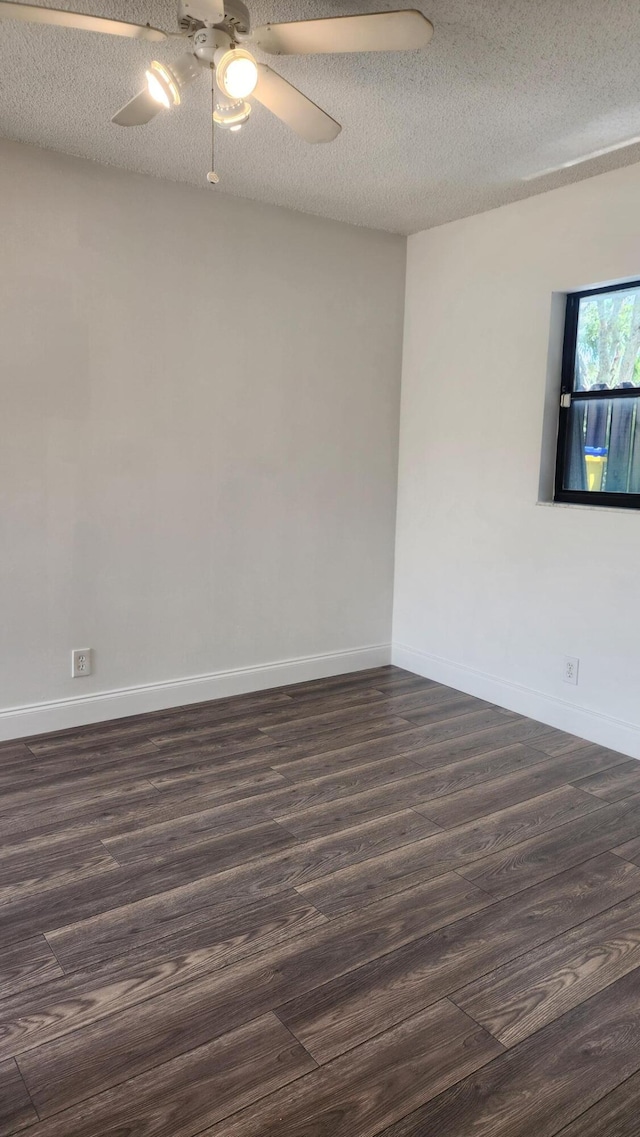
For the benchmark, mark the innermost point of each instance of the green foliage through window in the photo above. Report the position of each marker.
(608, 345)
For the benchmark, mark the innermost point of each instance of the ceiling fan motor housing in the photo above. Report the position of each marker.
(232, 15)
(203, 11)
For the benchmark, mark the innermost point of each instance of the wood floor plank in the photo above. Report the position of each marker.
(24, 810)
(149, 970)
(447, 728)
(435, 704)
(337, 738)
(72, 786)
(26, 965)
(117, 816)
(212, 936)
(557, 743)
(105, 812)
(366, 1090)
(526, 994)
(386, 678)
(510, 870)
(417, 791)
(350, 723)
(218, 739)
(319, 702)
(416, 743)
(353, 1007)
(613, 784)
(42, 770)
(123, 812)
(32, 913)
(438, 694)
(443, 779)
(329, 763)
(481, 715)
(307, 860)
(16, 1109)
(210, 722)
(117, 731)
(14, 751)
(503, 732)
(182, 1097)
(105, 772)
(86, 997)
(35, 890)
(368, 700)
(105, 1052)
(127, 729)
(225, 784)
(402, 680)
(190, 825)
(348, 888)
(377, 677)
(615, 1115)
(629, 850)
(289, 710)
(515, 786)
(317, 724)
(183, 910)
(547, 1081)
(289, 796)
(38, 861)
(349, 810)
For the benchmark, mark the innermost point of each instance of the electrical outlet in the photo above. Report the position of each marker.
(571, 666)
(80, 662)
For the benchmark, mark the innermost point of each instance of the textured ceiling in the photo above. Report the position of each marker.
(505, 88)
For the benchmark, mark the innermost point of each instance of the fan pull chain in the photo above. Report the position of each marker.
(212, 177)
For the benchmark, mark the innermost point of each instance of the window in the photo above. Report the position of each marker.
(599, 433)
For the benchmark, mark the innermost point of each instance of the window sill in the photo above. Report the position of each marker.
(589, 508)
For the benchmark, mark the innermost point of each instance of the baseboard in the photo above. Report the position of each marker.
(605, 730)
(62, 714)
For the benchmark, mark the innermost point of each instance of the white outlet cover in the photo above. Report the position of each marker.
(571, 669)
(81, 662)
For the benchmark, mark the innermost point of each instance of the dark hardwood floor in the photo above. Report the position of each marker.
(368, 905)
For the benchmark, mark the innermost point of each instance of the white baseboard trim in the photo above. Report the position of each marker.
(616, 734)
(62, 714)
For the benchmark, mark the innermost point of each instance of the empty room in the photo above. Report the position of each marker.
(319, 618)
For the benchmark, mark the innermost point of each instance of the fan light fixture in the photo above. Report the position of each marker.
(237, 73)
(232, 117)
(162, 85)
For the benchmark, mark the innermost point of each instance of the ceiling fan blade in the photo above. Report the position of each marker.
(138, 111)
(293, 108)
(380, 31)
(32, 14)
(584, 158)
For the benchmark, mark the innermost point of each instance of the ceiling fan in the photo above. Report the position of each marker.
(218, 32)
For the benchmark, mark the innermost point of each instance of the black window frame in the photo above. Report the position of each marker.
(585, 497)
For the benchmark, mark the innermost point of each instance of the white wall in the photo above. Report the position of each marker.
(198, 455)
(492, 590)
